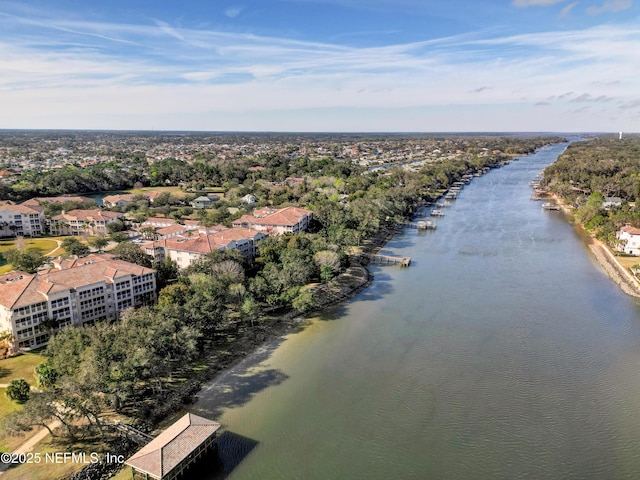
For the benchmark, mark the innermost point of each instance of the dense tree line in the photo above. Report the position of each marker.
(587, 172)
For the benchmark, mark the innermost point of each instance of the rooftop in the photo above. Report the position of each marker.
(165, 452)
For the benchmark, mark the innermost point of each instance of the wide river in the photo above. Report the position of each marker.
(503, 352)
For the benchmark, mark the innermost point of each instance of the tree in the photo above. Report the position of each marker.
(166, 271)
(18, 390)
(73, 246)
(148, 233)
(46, 375)
(329, 263)
(118, 237)
(29, 260)
(304, 300)
(117, 226)
(99, 242)
(132, 253)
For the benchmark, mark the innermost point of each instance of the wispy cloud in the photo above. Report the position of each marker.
(56, 66)
(233, 12)
(169, 30)
(566, 10)
(585, 97)
(610, 6)
(531, 3)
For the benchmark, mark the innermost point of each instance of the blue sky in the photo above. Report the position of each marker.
(321, 65)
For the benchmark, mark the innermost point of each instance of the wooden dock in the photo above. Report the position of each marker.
(389, 259)
(421, 225)
(550, 206)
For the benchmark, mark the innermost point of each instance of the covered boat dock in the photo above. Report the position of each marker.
(172, 452)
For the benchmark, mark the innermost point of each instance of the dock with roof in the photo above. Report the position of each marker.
(171, 453)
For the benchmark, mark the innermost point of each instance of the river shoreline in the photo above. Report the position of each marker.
(605, 257)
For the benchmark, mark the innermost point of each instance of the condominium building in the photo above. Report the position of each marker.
(76, 292)
(272, 221)
(78, 222)
(185, 249)
(21, 220)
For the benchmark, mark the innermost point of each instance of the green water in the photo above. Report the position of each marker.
(503, 352)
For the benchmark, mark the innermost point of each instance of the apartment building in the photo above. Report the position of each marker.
(76, 292)
(276, 221)
(185, 249)
(21, 220)
(79, 222)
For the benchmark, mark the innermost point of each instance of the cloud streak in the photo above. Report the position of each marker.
(610, 6)
(72, 67)
(532, 3)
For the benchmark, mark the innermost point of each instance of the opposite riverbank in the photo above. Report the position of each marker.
(605, 257)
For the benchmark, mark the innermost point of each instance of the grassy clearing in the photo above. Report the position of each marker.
(8, 443)
(176, 191)
(628, 262)
(45, 245)
(124, 474)
(6, 405)
(20, 366)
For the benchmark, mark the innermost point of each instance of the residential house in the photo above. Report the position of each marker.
(249, 199)
(76, 292)
(123, 200)
(204, 202)
(271, 221)
(83, 222)
(610, 202)
(158, 222)
(21, 220)
(629, 240)
(172, 231)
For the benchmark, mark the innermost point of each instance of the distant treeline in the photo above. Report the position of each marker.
(206, 169)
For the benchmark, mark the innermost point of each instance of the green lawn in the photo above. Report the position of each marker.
(6, 405)
(20, 366)
(45, 245)
(7, 443)
(124, 474)
(175, 191)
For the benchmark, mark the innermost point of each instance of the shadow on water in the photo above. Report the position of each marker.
(239, 384)
(220, 462)
(380, 286)
(398, 243)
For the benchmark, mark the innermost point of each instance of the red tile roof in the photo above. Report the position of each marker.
(35, 202)
(287, 217)
(113, 199)
(631, 230)
(73, 274)
(200, 243)
(22, 209)
(88, 215)
(172, 229)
